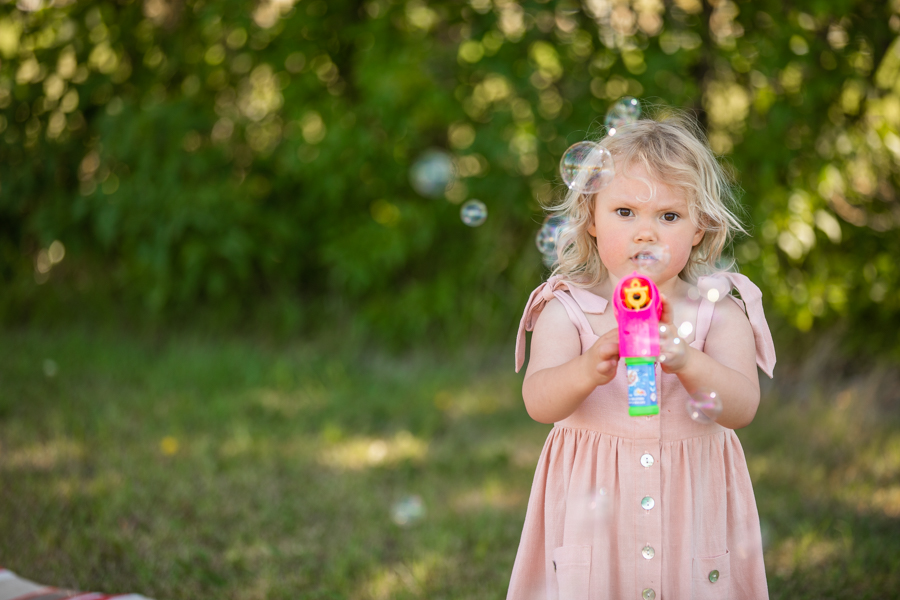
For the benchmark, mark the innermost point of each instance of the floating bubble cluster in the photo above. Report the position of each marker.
(408, 510)
(587, 167)
(473, 213)
(432, 173)
(704, 406)
(625, 111)
(548, 238)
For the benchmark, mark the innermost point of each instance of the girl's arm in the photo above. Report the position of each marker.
(726, 365)
(559, 377)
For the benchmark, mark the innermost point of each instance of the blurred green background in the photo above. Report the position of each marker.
(235, 336)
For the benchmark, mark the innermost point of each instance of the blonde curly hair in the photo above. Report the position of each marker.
(673, 149)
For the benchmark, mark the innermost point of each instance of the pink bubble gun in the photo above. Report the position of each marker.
(638, 310)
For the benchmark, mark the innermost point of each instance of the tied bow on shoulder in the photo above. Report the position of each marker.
(589, 303)
(751, 303)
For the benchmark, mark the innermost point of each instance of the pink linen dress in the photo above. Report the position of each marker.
(641, 508)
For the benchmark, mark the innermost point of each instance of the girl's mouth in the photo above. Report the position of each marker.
(644, 256)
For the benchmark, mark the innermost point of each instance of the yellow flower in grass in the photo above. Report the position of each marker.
(168, 445)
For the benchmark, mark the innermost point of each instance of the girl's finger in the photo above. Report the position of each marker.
(666, 316)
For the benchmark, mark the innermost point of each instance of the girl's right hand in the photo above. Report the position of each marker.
(602, 359)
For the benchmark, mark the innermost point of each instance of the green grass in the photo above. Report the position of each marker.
(183, 468)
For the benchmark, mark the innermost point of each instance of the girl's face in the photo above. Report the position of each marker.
(629, 221)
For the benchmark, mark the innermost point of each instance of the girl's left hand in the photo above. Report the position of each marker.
(672, 349)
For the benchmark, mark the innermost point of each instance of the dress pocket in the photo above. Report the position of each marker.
(712, 578)
(573, 572)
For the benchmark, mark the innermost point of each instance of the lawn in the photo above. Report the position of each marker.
(185, 467)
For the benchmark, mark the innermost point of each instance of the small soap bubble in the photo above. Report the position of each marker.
(671, 347)
(587, 167)
(433, 173)
(548, 237)
(625, 111)
(407, 510)
(473, 213)
(591, 508)
(652, 259)
(713, 295)
(704, 406)
(685, 329)
(693, 293)
(50, 368)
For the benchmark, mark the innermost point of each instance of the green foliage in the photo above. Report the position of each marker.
(221, 157)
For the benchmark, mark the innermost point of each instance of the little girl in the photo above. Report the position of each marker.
(647, 507)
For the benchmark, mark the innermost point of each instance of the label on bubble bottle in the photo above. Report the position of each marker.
(643, 396)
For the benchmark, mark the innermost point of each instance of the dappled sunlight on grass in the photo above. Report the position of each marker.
(493, 494)
(477, 398)
(409, 577)
(43, 456)
(361, 452)
(810, 550)
(289, 403)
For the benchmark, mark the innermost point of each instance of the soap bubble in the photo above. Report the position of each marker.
(685, 329)
(592, 508)
(432, 173)
(693, 293)
(548, 237)
(625, 111)
(587, 167)
(671, 347)
(473, 213)
(714, 288)
(50, 368)
(704, 406)
(652, 259)
(408, 510)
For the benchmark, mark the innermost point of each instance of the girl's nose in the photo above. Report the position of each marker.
(644, 233)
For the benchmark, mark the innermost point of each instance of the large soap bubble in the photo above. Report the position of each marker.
(625, 111)
(473, 213)
(548, 236)
(432, 173)
(587, 167)
(704, 406)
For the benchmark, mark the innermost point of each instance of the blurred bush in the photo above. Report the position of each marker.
(177, 158)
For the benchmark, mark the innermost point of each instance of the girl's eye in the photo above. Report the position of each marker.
(623, 212)
(670, 217)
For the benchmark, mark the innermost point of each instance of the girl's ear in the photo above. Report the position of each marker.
(592, 230)
(698, 236)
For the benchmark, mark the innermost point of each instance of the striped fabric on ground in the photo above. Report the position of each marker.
(13, 587)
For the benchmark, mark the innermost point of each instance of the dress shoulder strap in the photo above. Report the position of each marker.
(716, 286)
(576, 302)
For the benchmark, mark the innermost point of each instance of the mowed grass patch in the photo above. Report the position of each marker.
(184, 467)
(192, 468)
